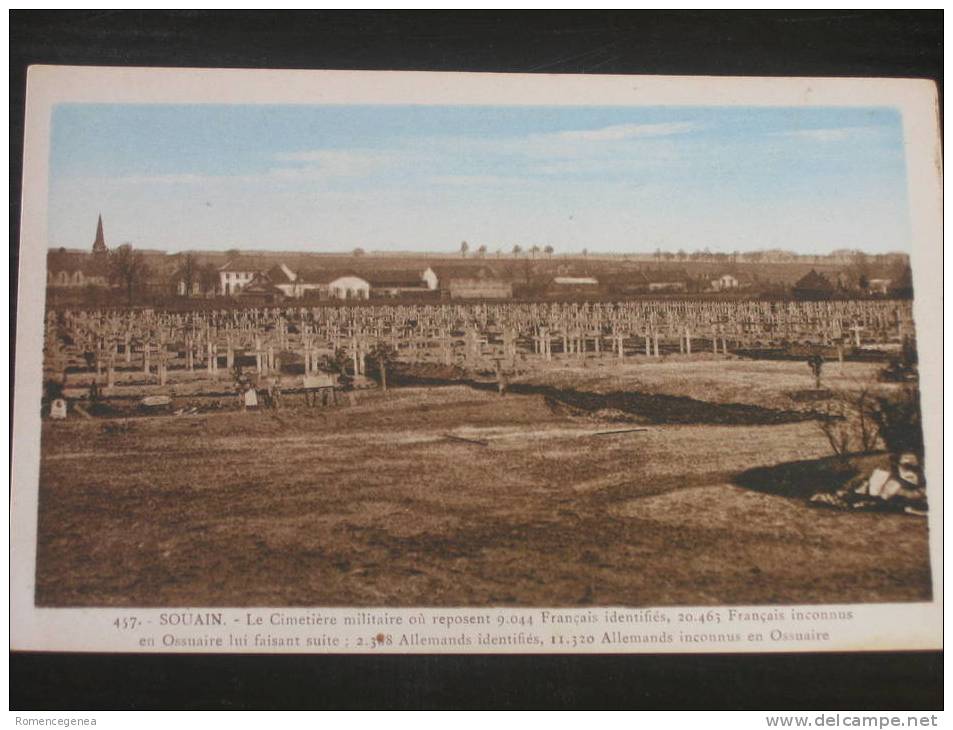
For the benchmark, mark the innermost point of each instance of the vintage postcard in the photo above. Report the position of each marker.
(418, 362)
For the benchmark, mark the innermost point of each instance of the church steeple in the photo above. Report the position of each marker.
(99, 245)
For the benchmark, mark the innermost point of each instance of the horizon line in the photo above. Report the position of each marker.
(524, 252)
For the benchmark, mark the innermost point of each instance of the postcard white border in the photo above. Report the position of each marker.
(874, 626)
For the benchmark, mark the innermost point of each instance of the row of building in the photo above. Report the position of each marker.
(462, 280)
(241, 279)
(257, 280)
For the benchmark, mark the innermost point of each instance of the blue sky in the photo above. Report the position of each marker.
(424, 178)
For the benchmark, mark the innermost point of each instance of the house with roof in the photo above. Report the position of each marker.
(351, 284)
(237, 273)
(333, 284)
(348, 285)
(396, 282)
(260, 291)
(430, 277)
(471, 280)
(724, 282)
(730, 281)
(813, 286)
(284, 279)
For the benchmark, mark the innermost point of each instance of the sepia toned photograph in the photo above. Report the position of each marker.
(482, 355)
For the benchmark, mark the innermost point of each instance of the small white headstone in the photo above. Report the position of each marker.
(58, 409)
(251, 398)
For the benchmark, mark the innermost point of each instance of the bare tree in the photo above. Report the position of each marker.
(534, 250)
(464, 247)
(865, 405)
(548, 250)
(481, 252)
(128, 269)
(836, 429)
(208, 278)
(851, 422)
(517, 249)
(187, 273)
(358, 251)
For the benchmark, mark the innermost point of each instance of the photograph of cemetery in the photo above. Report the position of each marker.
(489, 356)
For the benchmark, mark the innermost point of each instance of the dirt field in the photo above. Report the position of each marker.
(374, 505)
(710, 379)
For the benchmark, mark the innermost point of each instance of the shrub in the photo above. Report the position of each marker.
(859, 421)
(898, 419)
(848, 423)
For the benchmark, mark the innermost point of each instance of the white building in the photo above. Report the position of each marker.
(723, 282)
(234, 276)
(349, 286)
(576, 281)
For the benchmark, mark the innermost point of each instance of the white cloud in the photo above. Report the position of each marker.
(342, 163)
(637, 142)
(626, 131)
(315, 165)
(833, 134)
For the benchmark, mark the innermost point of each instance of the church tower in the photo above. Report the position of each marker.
(99, 245)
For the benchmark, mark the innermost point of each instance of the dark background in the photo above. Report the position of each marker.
(765, 43)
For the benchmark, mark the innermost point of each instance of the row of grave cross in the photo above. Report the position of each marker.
(450, 332)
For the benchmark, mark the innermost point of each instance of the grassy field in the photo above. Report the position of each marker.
(374, 505)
